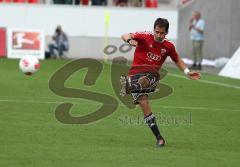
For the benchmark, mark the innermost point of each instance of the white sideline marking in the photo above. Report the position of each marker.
(87, 103)
(199, 108)
(29, 101)
(209, 82)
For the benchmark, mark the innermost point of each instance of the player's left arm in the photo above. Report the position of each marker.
(195, 75)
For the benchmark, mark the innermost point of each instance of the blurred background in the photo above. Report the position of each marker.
(85, 21)
(91, 25)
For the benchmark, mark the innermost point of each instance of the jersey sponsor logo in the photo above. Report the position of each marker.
(153, 57)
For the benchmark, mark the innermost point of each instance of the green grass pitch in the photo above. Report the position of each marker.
(200, 121)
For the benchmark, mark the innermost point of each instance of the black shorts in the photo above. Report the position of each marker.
(153, 80)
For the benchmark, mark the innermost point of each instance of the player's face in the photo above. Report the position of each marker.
(159, 33)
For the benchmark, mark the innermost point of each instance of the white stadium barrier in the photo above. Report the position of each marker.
(232, 68)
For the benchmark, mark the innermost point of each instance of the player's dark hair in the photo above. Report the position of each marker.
(161, 22)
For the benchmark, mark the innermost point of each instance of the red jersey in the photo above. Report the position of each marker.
(149, 55)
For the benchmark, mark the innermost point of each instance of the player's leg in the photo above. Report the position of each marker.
(150, 118)
(144, 104)
(138, 83)
(130, 84)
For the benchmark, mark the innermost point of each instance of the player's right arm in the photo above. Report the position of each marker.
(129, 39)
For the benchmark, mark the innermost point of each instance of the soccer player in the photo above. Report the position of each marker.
(151, 51)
